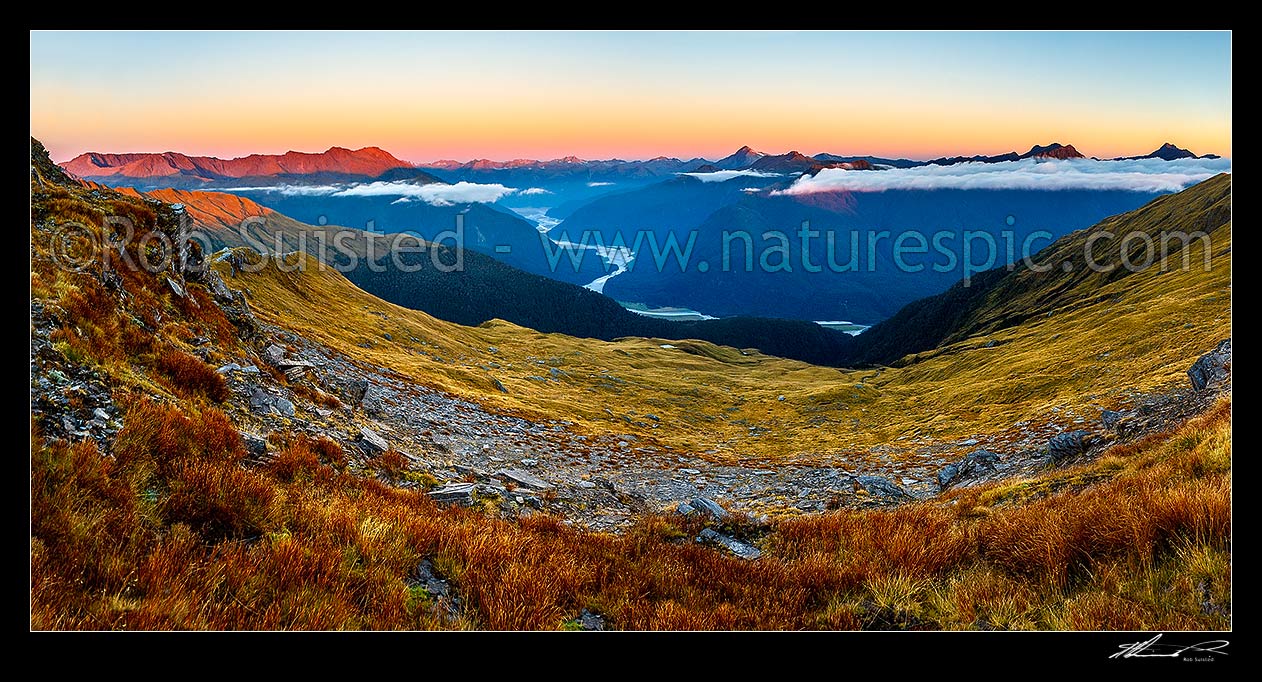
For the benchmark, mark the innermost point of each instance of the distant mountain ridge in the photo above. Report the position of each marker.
(338, 164)
(1168, 152)
(367, 162)
(1054, 150)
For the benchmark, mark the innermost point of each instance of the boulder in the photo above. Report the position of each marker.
(709, 507)
(878, 486)
(263, 402)
(283, 407)
(356, 391)
(1111, 418)
(1212, 368)
(685, 509)
(176, 288)
(255, 445)
(947, 475)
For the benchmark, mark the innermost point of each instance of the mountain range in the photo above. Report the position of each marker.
(374, 163)
(534, 205)
(368, 162)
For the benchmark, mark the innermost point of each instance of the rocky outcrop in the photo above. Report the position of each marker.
(1212, 368)
(1066, 445)
(973, 465)
(878, 486)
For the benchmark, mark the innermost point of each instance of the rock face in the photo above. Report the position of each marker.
(743, 550)
(1111, 418)
(1212, 368)
(356, 391)
(454, 493)
(1066, 445)
(708, 507)
(882, 487)
(524, 479)
(373, 441)
(972, 465)
(217, 288)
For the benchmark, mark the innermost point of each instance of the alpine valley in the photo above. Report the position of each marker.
(909, 360)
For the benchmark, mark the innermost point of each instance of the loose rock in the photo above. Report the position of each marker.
(743, 550)
(524, 479)
(454, 493)
(373, 441)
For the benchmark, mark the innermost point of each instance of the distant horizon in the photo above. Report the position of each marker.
(427, 96)
(423, 162)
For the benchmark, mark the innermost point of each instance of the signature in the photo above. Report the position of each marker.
(1153, 649)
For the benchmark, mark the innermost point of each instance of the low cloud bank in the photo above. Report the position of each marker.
(1140, 175)
(434, 194)
(725, 175)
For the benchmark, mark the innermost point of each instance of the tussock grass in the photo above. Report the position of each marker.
(174, 534)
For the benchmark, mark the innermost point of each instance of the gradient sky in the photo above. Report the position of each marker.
(426, 96)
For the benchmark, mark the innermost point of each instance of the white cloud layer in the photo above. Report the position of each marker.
(434, 194)
(599, 184)
(725, 175)
(1141, 175)
(535, 190)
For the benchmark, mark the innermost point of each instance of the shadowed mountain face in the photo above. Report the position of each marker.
(865, 286)
(485, 288)
(998, 299)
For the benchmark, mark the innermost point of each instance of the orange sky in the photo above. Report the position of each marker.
(630, 95)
